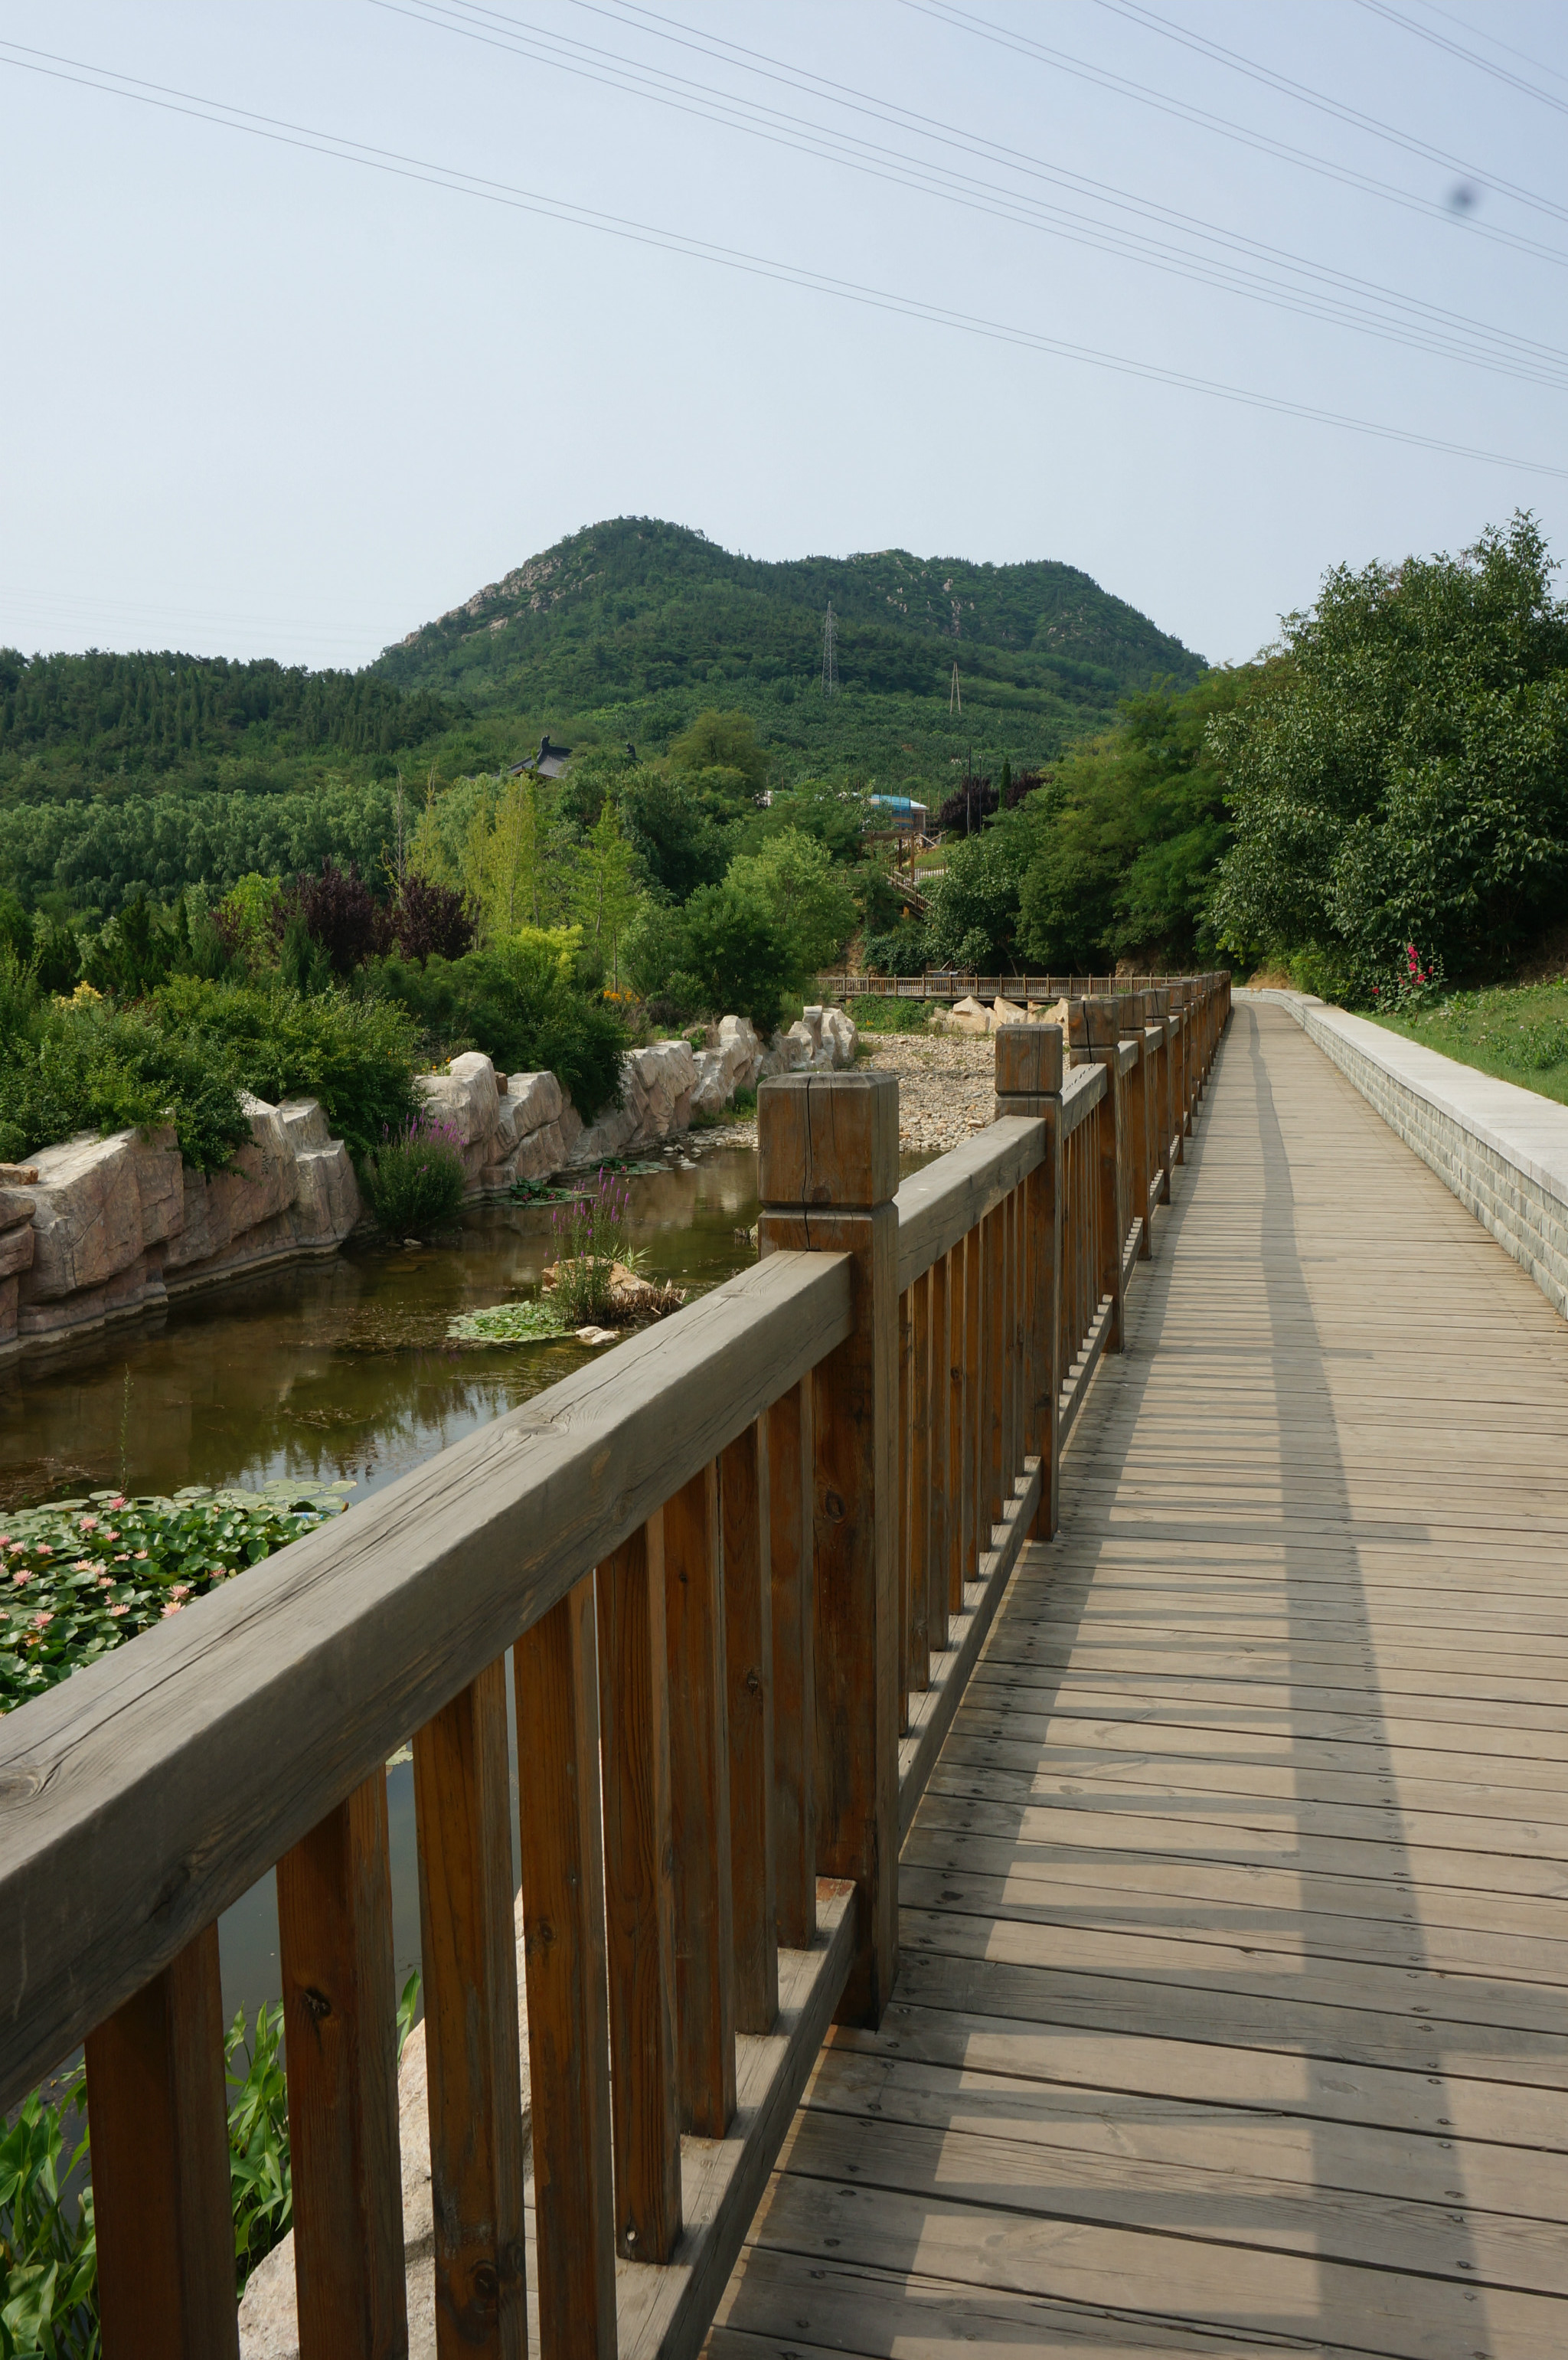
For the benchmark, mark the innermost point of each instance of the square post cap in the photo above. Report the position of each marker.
(1093, 1023)
(1029, 1061)
(1130, 1011)
(828, 1140)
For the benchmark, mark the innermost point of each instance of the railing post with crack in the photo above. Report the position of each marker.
(828, 1171)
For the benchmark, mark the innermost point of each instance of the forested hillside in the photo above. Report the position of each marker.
(623, 628)
(125, 774)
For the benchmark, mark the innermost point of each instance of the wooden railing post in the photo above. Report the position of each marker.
(1129, 1020)
(745, 1521)
(334, 1925)
(699, 1804)
(157, 2109)
(828, 1173)
(1097, 1041)
(791, 1454)
(1029, 1083)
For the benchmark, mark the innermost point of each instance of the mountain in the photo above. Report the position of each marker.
(629, 627)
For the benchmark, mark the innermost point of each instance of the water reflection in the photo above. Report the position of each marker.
(338, 1369)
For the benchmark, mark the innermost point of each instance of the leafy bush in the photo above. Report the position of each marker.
(87, 1065)
(873, 1015)
(738, 955)
(522, 1006)
(48, 2262)
(1401, 772)
(430, 919)
(416, 1179)
(84, 1575)
(904, 950)
(341, 913)
(357, 1053)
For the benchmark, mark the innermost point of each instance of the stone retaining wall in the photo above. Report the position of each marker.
(98, 1231)
(1502, 1150)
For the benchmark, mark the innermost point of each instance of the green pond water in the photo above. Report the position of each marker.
(332, 1370)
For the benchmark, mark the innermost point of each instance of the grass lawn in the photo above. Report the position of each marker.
(1519, 1032)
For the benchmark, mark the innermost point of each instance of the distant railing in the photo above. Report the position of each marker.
(743, 1566)
(949, 984)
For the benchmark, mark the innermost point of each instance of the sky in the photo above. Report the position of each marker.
(382, 296)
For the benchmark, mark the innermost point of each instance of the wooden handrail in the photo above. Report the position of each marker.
(743, 1567)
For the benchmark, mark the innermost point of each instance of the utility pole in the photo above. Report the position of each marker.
(830, 653)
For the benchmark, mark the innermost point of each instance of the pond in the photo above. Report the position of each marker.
(340, 1370)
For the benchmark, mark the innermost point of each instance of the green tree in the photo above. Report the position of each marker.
(722, 741)
(605, 895)
(1401, 774)
(1123, 840)
(809, 900)
(678, 841)
(738, 954)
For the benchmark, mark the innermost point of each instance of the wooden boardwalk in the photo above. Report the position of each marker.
(1232, 2008)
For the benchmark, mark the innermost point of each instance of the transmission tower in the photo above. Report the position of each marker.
(830, 653)
(954, 694)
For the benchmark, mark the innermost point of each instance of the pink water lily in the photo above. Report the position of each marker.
(119, 1610)
(180, 1589)
(88, 1524)
(174, 1607)
(82, 1564)
(42, 1621)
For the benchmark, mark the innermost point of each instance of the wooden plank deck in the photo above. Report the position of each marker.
(1232, 2011)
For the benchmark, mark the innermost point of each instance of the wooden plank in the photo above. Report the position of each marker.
(334, 1926)
(153, 1779)
(790, 1460)
(461, 1809)
(157, 2110)
(939, 1206)
(747, 1518)
(700, 1806)
(903, 1558)
(555, 1671)
(973, 1505)
(917, 1575)
(827, 2212)
(640, 1891)
(993, 1439)
(939, 1507)
(958, 1509)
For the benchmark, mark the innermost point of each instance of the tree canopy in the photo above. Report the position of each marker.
(1403, 774)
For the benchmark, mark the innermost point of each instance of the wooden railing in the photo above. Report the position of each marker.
(742, 1567)
(948, 983)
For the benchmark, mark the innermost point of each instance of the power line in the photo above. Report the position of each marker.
(1469, 56)
(1428, 327)
(1135, 13)
(110, 82)
(959, 20)
(1466, 26)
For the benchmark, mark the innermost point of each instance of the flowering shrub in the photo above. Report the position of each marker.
(1413, 985)
(416, 1178)
(592, 1235)
(82, 1577)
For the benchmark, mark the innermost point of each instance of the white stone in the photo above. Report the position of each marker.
(465, 1097)
(840, 1038)
(970, 1015)
(100, 1204)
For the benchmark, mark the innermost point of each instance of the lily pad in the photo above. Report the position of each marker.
(509, 1322)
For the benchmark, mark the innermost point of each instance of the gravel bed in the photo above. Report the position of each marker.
(947, 1088)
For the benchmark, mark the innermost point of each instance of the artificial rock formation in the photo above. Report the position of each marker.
(115, 1226)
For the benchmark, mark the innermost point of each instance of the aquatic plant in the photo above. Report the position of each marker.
(592, 1235)
(416, 1179)
(508, 1322)
(81, 1577)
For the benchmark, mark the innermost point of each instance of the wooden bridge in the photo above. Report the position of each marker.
(1216, 2002)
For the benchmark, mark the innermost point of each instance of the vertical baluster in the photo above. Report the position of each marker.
(334, 1926)
(920, 1491)
(828, 1171)
(957, 1369)
(1029, 1083)
(640, 1891)
(744, 1490)
(790, 1462)
(462, 1809)
(555, 1671)
(939, 1511)
(995, 1249)
(973, 1404)
(700, 1799)
(157, 2109)
(905, 1555)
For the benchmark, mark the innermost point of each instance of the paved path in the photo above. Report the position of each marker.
(1232, 2015)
